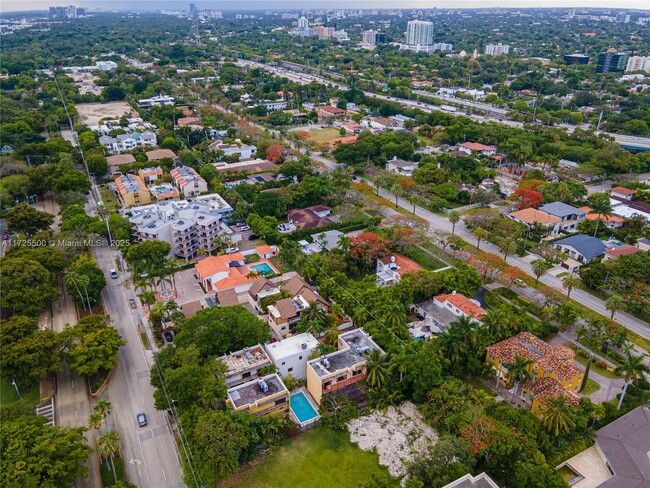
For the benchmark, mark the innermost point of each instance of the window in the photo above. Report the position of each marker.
(341, 378)
(300, 358)
(283, 363)
(246, 375)
(281, 401)
(491, 356)
(326, 385)
(290, 370)
(535, 369)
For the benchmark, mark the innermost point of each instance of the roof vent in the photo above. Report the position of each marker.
(262, 384)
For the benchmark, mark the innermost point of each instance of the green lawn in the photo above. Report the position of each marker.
(607, 373)
(479, 385)
(590, 387)
(109, 199)
(319, 458)
(8, 393)
(280, 264)
(425, 259)
(323, 135)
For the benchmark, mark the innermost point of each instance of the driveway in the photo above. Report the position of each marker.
(188, 288)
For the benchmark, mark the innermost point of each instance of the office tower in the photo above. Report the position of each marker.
(611, 61)
(497, 49)
(193, 10)
(576, 59)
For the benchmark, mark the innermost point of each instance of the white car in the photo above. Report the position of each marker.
(244, 228)
(232, 250)
(113, 273)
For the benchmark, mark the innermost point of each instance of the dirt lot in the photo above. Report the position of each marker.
(92, 113)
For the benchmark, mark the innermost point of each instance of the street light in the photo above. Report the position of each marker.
(13, 382)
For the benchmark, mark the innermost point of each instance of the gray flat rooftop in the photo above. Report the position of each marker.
(442, 315)
(247, 358)
(357, 345)
(251, 392)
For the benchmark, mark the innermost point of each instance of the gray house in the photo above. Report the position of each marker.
(581, 247)
(569, 215)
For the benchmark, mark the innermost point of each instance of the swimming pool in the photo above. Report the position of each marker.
(301, 407)
(613, 242)
(263, 268)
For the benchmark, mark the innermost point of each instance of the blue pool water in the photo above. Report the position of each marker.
(302, 408)
(263, 268)
(614, 243)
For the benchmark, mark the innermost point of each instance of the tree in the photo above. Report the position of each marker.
(25, 219)
(400, 362)
(539, 267)
(480, 233)
(27, 353)
(508, 247)
(398, 191)
(108, 445)
(26, 288)
(367, 247)
(34, 454)
(518, 372)
(615, 303)
(527, 199)
(633, 369)
(556, 416)
(313, 319)
(601, 207)
(377, 369)
(93, 345)
(454, 218)
(569, 282)
(147, 255)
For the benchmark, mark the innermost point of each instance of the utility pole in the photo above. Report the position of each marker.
(13, 382)
(600, 118)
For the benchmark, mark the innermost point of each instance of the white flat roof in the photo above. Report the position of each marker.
(291, 345)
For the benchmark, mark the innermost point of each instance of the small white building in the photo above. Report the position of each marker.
(157, 100)
(401, 167)
(272, 106)
(291, 354)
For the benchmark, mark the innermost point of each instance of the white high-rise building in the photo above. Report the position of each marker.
(303, 23)
(369, 38)
(419, 33)
(497, 49)
(638, 63)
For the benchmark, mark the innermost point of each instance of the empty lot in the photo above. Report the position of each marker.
(92, 113)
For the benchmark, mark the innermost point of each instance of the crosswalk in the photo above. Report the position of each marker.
(47, 410)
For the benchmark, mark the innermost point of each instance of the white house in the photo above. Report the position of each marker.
(392, 268)
(401, 167)
(157, 100)
(291, 354)
(482, 149)
(128, 142)
(272, 106)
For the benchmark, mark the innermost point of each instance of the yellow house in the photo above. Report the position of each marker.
(262, 397)
(554, 362)
(132, 190)
(541, 389)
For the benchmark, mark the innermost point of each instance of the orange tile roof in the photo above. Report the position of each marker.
(157, 154)
(476, 146)
(611, 218)
(623, 191)
(344, 140)
(215, 264)
(462, 303)
(534, 216)
(265, 249)
(405, 264)
(616, 251)
(544, 388)
(236, 275)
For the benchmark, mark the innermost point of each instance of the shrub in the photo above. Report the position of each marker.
(601, 364)
(583, 354)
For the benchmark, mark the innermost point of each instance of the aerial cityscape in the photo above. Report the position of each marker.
(337, 245)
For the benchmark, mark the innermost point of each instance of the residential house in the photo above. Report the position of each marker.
(611, 221)
(218, 273)
(190, 309)
(254, 166)
(644, 244)
(245, 365)
(482, 149)
(188, 181)
(243, 151)
(614, 252)
(155, 101)
(468, 481)
(114, 163)
(227, 298)
(531, 217)
(341, 371)
(163, 192)
(272, 106)
(149, 175)
(581, 247)
(193, 122)
(401, 167)
(158, 154)
(128, 142)
(569, 215)
(352, 127)
(310, 217)
(391, 269)
(439, 312)
(132, 191)
(328, 240)
(261, 288)
(623, 193)
(551, 365)
(265, 396)
(290, 355)
(328, 111)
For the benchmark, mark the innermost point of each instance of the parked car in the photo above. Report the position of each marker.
(244, 228)
(113, 273)
(142, 419)
(232, 250)
(240, 224)
(252, 237)
(169, 337)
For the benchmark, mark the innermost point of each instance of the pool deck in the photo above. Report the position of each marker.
(311, 422)
(589, 463)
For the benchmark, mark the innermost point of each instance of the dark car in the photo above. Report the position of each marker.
(252, 237)
(169, 337)
(142, 419)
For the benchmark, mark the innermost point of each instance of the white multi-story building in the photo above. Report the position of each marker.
(157, 100)
(188, 181)
(341, 35)
(443, 46)
(369, 38)
(638, 63)
(128, 142)
(419, 35)
(186, 226)
(290, 355)
(497, 49)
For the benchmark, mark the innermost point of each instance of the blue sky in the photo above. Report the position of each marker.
(14, 5)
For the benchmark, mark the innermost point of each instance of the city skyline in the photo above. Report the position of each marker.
(18, 5)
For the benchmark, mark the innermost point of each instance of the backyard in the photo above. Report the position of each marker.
(319, 458)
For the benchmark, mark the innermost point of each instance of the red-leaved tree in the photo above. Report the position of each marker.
(366, 248)
(276, 153)
(527, 198)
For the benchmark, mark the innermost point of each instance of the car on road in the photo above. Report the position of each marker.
(521, 283)
(113, 273)
(169, 337)
(142, 419)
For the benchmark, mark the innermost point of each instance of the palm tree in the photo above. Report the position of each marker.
(393, 313)
(171, 268)
(413, 200)
(508, 247)
(108, 445)
(518, 372)
(458, 338)
(95, 420)
(633, 369)
(377, 369)
(148, 297)
(569, 282)
(480, 233)
(540, 266)
(400, 362)
(603, 209)
(615, 303)
(454, 218)
(398, 191)
(313, 319)
(104, 407)
(557, 417)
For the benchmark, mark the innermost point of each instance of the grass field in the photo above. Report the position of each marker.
(590, 387)
(425, 259)
(317, 136)
(8, 393)
(109, 199)
(319, 458)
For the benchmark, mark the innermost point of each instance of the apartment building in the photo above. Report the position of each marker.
(114, 163)
(290, 355)
(262, 397)
(439, 312)
(245, 365)
(419, 35)
(638, 63)
(156, 101)
(553, 369)
(327, 111)
(128, 142)
(341, 370)
(188, 181)
(482, 149)
(187, 226)
(497, 49)
(163, 192)
(132, 191)
(149, 175)
(243, 151)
